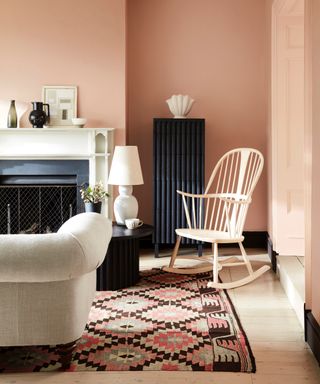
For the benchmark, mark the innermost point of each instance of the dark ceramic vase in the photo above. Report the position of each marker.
(93, 207)
(39, 116)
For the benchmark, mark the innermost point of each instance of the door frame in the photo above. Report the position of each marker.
(308, 150)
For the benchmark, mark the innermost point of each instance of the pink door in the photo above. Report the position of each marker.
(288, 127)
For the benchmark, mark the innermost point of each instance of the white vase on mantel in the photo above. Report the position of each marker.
(180, 105)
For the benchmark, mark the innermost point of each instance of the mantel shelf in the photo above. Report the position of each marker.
(39, 130)
(45, 156)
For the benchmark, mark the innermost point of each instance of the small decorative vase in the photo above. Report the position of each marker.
(180, 105)
(12, 121)
(39, 116)
(93, 207)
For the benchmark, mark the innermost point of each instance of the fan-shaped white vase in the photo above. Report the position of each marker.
(180, 105)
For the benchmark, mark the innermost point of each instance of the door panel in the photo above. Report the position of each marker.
(288, 130)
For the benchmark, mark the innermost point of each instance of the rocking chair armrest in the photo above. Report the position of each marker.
(227, 197)
(234, 199)
(197, 195)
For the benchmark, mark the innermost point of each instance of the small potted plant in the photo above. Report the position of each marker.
(93, 196)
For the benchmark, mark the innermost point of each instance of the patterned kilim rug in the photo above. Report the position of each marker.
(166, 322)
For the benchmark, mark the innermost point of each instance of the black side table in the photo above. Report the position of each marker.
(120, 268)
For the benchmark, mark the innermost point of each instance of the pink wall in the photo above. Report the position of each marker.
(268, 16)
(211, 49)
(315, 207)
(66, 42)
(214, 51)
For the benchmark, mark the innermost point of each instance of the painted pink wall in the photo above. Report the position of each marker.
(66, 42)
(268, 11)
(214, 51)
(315, 203)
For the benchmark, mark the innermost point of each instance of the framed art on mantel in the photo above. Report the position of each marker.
(63, 103)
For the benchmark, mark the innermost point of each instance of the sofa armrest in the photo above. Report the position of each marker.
(78, 248)
(93, 233)
(38, 258)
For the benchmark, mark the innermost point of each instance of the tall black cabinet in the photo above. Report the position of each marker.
(178, 163)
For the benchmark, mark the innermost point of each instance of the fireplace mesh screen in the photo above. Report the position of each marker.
(36, 209)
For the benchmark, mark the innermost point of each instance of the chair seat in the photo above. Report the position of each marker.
(208, 236)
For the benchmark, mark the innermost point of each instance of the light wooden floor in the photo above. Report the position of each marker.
(274, 332)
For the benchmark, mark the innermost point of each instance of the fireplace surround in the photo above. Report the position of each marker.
(41, 171)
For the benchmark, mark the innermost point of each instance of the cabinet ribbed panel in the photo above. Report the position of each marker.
(178, 163)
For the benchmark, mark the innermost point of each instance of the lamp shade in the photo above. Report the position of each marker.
(125, 166)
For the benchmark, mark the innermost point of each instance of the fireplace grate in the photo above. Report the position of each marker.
(36, 209)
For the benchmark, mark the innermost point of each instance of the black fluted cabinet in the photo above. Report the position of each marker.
(178, 164)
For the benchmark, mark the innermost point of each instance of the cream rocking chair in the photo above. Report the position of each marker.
(218, 215)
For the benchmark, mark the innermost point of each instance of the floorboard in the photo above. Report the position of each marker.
(273, 329)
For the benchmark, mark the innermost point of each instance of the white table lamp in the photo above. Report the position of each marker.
(125, 171)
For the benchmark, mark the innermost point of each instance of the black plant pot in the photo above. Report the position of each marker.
(93, 207)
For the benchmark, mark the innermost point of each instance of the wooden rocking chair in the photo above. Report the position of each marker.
(218, 217)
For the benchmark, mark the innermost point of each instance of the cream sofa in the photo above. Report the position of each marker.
(47, 282)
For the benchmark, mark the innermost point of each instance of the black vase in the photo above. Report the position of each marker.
(39, 116)
(93, 207)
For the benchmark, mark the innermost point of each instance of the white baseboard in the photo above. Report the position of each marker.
(291, 273)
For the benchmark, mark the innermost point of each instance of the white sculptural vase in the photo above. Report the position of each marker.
(125, 205)
(180, 105)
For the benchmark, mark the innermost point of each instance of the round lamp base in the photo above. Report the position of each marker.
(125, 205)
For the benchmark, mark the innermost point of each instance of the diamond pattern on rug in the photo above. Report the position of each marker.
(166, 322)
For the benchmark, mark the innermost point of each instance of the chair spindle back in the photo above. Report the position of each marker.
(234, 179)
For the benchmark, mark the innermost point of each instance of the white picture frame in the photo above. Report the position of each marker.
(62, 100)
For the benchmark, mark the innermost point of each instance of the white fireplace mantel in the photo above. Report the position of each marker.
(92, 144)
